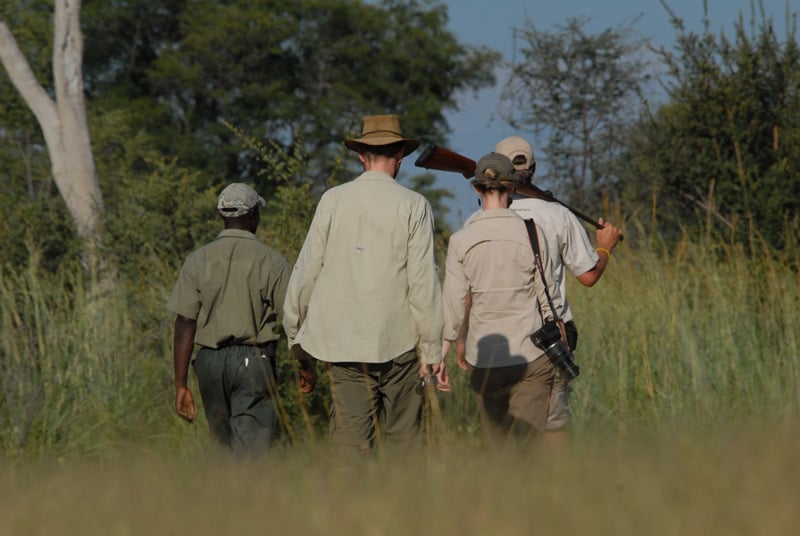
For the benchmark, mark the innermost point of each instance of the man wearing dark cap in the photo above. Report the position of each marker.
(364, 295)
(491, 260)
(227, 300)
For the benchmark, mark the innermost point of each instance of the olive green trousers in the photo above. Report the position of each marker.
(376, 402)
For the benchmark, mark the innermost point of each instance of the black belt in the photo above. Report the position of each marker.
(269, 345)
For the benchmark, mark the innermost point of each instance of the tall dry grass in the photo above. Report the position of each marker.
(685, 420)
(697, 333)
(734, 482)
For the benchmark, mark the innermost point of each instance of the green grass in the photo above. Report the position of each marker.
(685, 420)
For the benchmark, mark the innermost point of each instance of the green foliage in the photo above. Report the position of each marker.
(282, 71)
(724, 153)
(578, 91)
(76, 376)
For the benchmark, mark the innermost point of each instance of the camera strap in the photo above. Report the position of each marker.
(533, 236)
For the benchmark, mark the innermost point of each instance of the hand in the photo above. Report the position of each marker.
(307, 375)
(307, 379)
(442, 378)
(608, 236)
(436, 373)
(184, 403)
(461, 354)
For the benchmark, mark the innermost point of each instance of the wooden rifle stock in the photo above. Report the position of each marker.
(440, 159)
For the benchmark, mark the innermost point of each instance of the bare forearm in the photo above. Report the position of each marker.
(183, 343)
(588, 279)
(608, 236)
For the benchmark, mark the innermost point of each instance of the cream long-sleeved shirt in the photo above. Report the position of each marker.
(492, 258)
(365, 287)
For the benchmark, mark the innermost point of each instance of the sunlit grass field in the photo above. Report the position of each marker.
(686, 421)
(741, 481)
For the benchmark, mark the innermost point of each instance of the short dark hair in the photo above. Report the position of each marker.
(387, 151)
(499, 186)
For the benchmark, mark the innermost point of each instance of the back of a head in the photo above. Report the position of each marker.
(237, 200)
(520, 152)
(494, 171)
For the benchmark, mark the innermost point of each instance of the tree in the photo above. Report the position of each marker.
(280, 70)
(164, 78)
(577, 91)
(724, 151)
(62, 119)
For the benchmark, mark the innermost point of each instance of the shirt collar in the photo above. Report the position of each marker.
(374, 176)
(495, 213)
(237, 233)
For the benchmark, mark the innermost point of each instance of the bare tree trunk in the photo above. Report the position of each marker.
(63, 120)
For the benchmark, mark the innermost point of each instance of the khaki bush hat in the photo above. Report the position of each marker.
(382, 130)
(495, 169)
(237, 199)
(518, 151)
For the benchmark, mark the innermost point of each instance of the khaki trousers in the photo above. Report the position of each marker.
(376, 401)
(514, 400)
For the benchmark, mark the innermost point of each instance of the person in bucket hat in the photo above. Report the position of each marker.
(364, 296)
(382, 130)
(227, 301)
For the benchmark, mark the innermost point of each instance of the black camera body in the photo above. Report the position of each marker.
(548, 338)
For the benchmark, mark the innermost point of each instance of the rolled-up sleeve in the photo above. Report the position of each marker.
(424, 290)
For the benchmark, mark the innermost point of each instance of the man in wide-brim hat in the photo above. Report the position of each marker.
(382, 130)
(364, 296)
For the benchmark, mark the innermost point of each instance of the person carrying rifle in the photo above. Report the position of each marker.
(365, 298)
(491, 259)
(569, 248)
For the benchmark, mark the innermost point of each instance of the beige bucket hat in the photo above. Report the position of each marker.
(382, 130)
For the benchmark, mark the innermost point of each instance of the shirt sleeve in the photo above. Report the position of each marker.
(455, 292)
(282, 271)
(185, 296)
(304, 275)
(424, 290)
(577, 252)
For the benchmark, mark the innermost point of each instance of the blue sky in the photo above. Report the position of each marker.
(474, 129)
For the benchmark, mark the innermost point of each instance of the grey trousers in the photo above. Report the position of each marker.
(238, 387)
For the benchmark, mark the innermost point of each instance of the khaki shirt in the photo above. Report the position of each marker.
(365, 287)
(234, 287)
(492, 258)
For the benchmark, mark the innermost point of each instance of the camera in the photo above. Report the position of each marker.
(548, 338)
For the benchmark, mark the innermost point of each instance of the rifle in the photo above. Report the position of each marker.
(441, 159)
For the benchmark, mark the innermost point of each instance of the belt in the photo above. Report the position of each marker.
(269, 345)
